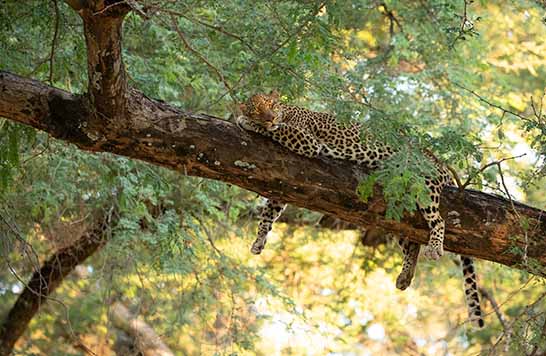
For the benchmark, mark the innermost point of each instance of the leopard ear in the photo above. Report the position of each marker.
(274, 94)
(242, 107)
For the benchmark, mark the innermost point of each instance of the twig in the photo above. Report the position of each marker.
(298, 30)
(487, 295)
(467, 27)
(538, 113)
(202, 58)
(39, 153)
(455, 176)
(207, 232)
(278, 17)
(506, 188)
(54, 41)
(525, 234)
(108, 7)
(542, 334)
(210, 26)
(138, 9)
(516, 319)
(38, 65)
(392, 20)
(465, 18)
(484, 100)
(469, 179)
(269, 55)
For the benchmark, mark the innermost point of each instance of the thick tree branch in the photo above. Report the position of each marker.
(478, 224)
(44, 281)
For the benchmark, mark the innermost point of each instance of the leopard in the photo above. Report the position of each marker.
(313, 134)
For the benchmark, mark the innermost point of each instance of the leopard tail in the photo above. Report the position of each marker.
(471, 292)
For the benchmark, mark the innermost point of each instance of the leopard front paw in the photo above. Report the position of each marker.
(434, 250)
(243, 123)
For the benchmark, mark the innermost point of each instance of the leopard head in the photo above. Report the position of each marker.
(263, 109)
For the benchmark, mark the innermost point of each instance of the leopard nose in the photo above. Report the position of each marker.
(268, 115)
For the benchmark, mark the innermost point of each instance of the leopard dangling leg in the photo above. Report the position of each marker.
(471, 292)
(436, 224)
(411, 254)
(271, 211)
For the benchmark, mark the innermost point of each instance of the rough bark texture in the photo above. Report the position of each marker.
(107, 87)
(477, 224)
(44, 281)
(144, 336)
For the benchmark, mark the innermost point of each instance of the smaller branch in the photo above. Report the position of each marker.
(54, 41)
(46, 147)
(110, 6)
(484, 100)
(392, 20)
(538, 113)
(37, 66)
(269, 55)
(465, 17)
(542, 334)
(278, 17)
(524, 230)
(207, 232)
(391, 26)
(489, 297)
(138, 9)
(298, 30)
(506, 190)
(456, 177)
(25, 247)
(202, 58)
(526, 311)
(467, 26)
(210, 26)
(469, 180)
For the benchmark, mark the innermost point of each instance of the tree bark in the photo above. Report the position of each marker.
(477, 224)
(44, 281)
(107, 86)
